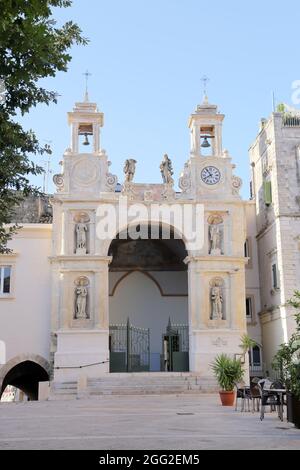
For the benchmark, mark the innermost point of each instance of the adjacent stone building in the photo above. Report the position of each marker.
(275, 163)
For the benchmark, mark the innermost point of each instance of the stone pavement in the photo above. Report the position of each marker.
(140, 422)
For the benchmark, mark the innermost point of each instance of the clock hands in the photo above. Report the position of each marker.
(210, 175)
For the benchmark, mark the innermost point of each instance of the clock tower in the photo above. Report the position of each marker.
(217, 270)
(209, 167)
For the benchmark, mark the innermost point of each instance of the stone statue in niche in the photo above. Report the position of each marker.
(217, 302)
(166, 170)
(81, 302)
(81, 237)
(129, 170)
(215, 234)
(215, 239)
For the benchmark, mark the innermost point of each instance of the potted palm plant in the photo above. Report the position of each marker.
(228, 372)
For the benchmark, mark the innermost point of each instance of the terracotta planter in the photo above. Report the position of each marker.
(227, 398)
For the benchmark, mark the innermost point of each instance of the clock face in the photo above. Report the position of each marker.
(210, 175)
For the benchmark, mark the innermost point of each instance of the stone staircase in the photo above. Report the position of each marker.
(63, 390)
(134, 384)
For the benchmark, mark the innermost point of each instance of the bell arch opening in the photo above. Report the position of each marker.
(25, 376)
(148, 303)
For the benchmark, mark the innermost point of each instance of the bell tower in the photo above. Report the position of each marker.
(79, 268)
(206, 130)
(85, 121)
(208, 173)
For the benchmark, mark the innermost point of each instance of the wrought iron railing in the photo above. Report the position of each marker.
(134, 343)
(183, 335)
(291, 121)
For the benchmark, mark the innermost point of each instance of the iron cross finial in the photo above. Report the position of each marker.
(87, 74)
(205, 81)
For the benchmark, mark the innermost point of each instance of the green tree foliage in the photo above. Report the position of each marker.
(287, 358)
(32, 47)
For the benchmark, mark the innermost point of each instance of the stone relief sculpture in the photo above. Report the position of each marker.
(166, 170)
(216, 295)
(129, 170)
(81, 293)
(148, 196)
(81, 230)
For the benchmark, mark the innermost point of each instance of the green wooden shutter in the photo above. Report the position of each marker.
(268, 192)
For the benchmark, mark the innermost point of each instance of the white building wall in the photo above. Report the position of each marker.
(137, 297)
(25, 314)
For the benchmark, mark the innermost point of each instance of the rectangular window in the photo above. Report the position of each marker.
(251, 190)
(274, 276)
(249, 308)
(255, 357)
(246, 249)
(5, 280)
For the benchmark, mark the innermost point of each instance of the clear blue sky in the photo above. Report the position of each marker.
(147, 59)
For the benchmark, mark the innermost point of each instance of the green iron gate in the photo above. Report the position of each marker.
(176, 348)
(129, 348)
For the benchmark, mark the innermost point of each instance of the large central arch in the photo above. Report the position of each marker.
(149, 287)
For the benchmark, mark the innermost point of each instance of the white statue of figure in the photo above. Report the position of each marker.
(217, 303)
(81, 296)
(166, 170)
(129, 170)
(81, 231)
(215, 239)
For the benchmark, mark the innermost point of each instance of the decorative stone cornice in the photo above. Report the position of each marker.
(104, 259)
(211, 258)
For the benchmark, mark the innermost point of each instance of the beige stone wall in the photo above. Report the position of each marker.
(275, 157)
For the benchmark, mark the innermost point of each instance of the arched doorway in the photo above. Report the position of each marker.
(24, 375)
(148, 304)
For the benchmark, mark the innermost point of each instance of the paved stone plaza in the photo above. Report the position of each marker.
(140, 422)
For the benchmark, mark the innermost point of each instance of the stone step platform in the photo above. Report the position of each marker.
(162, 383)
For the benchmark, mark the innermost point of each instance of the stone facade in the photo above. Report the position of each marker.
(78, 274)
(85, 188)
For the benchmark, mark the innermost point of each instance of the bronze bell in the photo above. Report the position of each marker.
(205, 143)
(86, 140)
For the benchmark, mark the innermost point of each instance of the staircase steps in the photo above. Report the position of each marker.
(135, 384)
